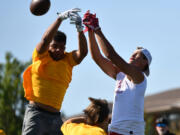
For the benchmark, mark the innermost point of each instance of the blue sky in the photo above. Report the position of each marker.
(153, 24)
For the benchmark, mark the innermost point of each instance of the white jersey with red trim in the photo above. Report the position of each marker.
(128, 106)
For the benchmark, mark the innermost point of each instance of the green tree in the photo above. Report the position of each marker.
(12, 101)
(150, 125)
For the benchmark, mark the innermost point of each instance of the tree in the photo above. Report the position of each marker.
(12, 101)
(150, 124)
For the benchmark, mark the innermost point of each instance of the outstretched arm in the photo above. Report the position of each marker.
(92, 22)
(108, 50)
(42, 46)
(82, 51)
(135, 74)
(102, 62)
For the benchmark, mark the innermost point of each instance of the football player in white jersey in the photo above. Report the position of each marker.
(128, 104)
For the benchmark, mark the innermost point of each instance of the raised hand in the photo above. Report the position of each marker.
(77, 20)
(90, 21)
(67, 14)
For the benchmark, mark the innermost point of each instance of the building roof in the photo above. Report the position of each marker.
(167, 101)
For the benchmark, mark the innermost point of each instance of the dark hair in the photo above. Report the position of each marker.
(60, 37)
(162, 120)
(97, 111)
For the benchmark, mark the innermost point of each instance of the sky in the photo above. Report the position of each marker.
(153, 24)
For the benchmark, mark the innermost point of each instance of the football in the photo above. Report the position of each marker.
(39, 7)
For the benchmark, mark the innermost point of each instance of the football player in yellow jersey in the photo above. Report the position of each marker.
(47, 78)
(95, 121)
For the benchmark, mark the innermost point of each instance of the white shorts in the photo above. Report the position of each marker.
(127, 128)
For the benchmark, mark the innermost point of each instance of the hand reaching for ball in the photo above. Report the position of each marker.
(68, 13)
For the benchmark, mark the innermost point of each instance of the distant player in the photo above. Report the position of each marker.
(47, 78)
(162, 126)
(131, 83)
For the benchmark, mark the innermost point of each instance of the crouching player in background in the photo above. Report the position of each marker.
(95, 121)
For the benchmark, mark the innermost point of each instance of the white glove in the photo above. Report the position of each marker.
(77, 20)
(66, 14)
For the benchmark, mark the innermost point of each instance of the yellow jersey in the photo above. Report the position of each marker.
(81, 129)
(2, 132)
(46, 80)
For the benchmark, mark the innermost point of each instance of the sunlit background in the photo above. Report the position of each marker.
(153, 24)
